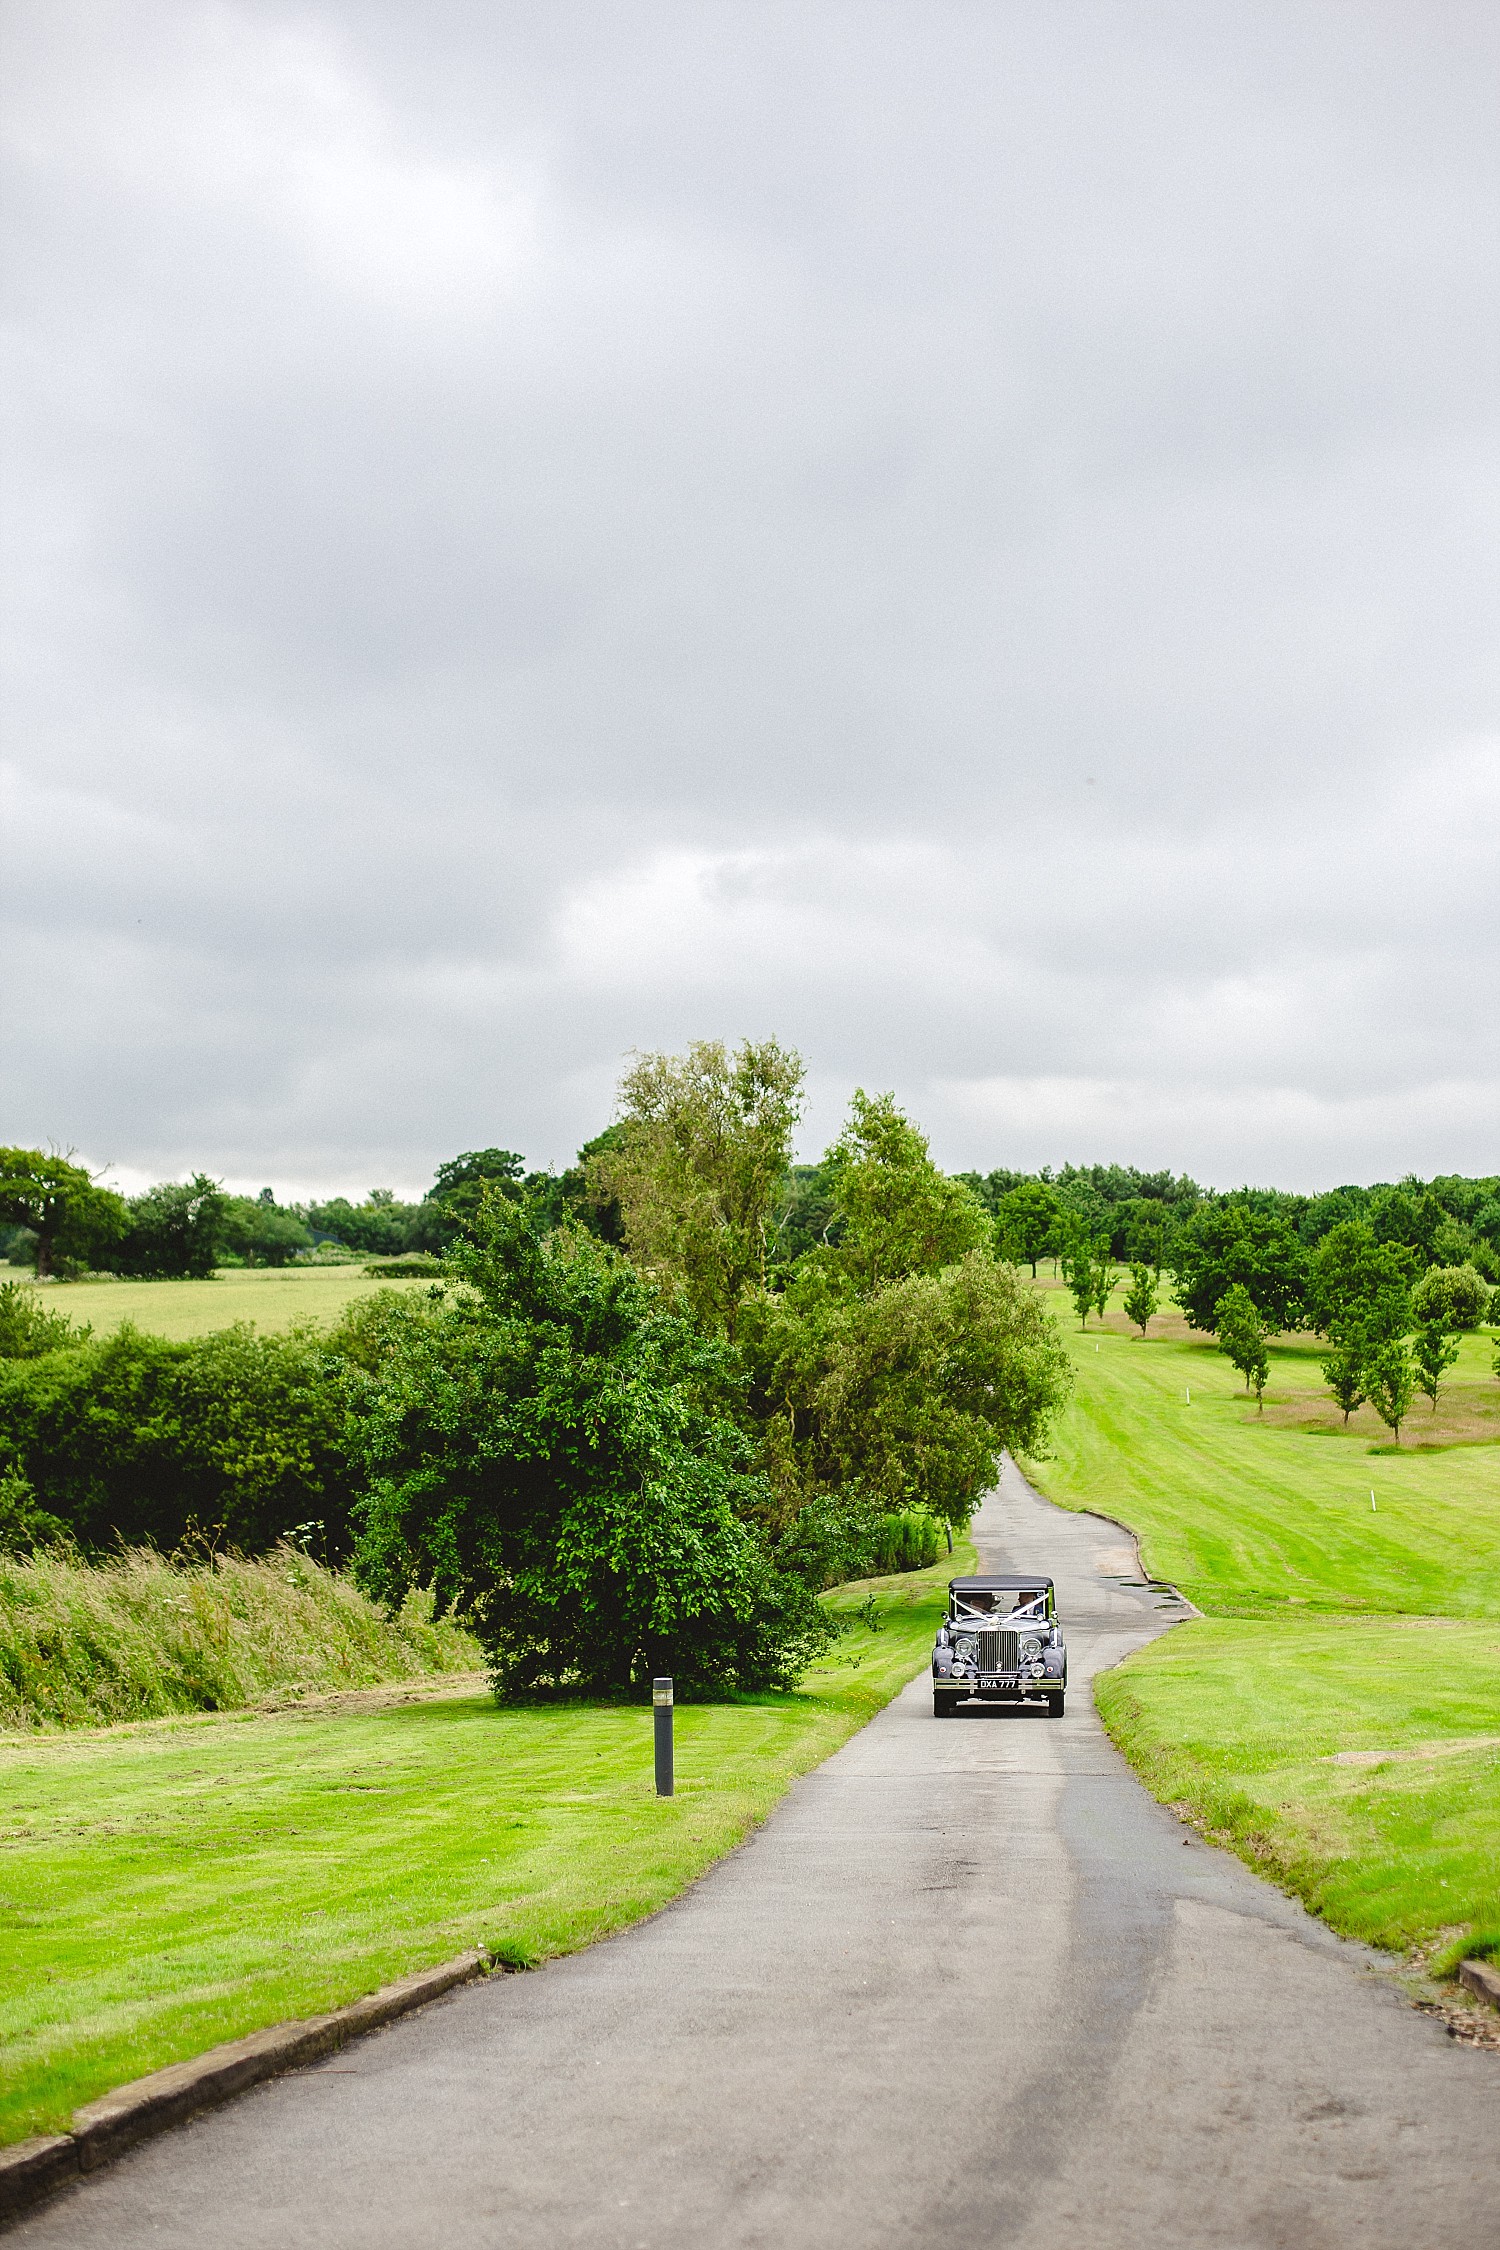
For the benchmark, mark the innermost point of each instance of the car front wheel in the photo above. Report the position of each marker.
(944, 1706)
(1055, 1706)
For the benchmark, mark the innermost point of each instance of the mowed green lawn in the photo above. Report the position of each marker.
(170, 1885)
(1336, 1714)
(1254, 1514)
(272, 1297)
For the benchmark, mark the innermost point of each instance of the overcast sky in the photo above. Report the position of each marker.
(962, 534)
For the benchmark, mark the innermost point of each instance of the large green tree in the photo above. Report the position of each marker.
(1233, 1243)
(174, 1229)
(76, 1222)
(552, 1457)
(460, 1190)
(1026, 1223)
(907, 1393)
(1350, 1268)
(899, 1214)
(257, 1231)
(698, 1169)
(1456, 1296)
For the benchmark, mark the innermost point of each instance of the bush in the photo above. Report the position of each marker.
(139, 1638)
(23, 1525)
(234, 1437)
(1451, 1297)
(412, 1263)
(29, 1327)
(910, 1540)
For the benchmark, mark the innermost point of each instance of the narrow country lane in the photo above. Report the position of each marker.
(969, 1985)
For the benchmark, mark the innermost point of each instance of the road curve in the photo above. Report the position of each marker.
(968, 1985)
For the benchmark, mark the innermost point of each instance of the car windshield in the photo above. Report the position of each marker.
(980, 1603)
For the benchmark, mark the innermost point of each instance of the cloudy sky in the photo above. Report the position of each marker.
(961, 533)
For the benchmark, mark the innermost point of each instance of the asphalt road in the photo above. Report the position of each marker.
(968, 1986)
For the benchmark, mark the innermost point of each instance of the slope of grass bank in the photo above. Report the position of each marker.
(272, 1297)
(137, 1637)
(1335, 1716)
(1254, 1514)
(167, 1886)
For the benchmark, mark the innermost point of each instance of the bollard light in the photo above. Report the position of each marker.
(661, 1706)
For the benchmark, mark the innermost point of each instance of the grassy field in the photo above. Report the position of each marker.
(273, 1297)
(169, 1885)
(1252, 1514)
(1336, 1714)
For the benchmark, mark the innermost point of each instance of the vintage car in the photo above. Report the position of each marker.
(1000, 1643)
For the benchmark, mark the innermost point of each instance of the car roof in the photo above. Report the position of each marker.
(997, 1585)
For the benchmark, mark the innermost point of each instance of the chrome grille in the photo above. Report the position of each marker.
(999, 1653)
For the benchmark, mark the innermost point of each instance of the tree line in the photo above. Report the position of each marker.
(1136, 1217)
(59, 1220)
(1391, 1275)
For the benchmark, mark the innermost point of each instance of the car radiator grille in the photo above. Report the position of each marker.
(999, 1653)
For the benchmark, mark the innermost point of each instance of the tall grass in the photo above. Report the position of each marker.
(140, 1637)
(910, 1539)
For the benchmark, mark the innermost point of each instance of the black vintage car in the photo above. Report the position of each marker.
(1000, 1643)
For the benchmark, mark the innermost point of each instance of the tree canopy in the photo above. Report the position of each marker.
(548, 1456)
(698, 1168)
(1222, 1246)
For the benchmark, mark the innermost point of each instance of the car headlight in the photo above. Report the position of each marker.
(965, 1645)
(1030, 1645)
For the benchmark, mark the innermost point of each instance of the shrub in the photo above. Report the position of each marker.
(411, 1264)
(1451, 1297)
(23, 1525)
(28, 1325)
(234, 1437)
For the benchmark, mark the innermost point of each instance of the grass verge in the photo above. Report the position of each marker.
(1358, 1768)
(173, 1884)
(1335, 1716)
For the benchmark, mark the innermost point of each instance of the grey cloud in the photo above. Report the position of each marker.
(962, 535)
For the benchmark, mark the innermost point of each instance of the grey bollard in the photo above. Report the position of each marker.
(661, 1703)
